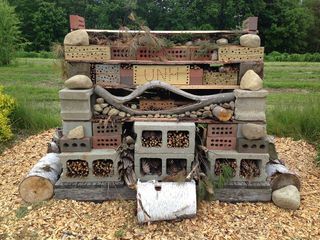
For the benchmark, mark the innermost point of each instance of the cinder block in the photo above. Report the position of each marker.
(76, 104)
(250, 105)
(75, 145)
(164, 159)
(261, 159)
(69, 125)
(252, 146)
(89, 158)
(164, 128)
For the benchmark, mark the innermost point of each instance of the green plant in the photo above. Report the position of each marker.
(7, 105)
(119, 233)
(225, 176)
(9, 33)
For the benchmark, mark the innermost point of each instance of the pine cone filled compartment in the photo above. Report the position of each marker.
(178, 139)
(250, 168)
(151, 139)
(103, 168)
(151, 166)
(77, 168)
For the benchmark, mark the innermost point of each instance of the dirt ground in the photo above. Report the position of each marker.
(116, 219)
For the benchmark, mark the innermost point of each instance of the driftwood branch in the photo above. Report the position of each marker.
(201, 101)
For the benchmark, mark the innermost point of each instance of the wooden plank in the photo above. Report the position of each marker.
(200, 87)
(169, 32)
(177, 75)
(243, 194)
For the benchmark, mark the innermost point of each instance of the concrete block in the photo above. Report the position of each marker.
(252, 146)
(90, 158)
(239, 131)
(250, 105)
(76, 104)
(75, 145)
(77, 68)
(164, 128)
(261, 159)
(164, 159)
(68, 125)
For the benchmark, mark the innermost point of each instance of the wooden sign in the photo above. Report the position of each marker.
(175, 75)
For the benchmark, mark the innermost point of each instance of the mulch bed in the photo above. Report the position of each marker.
(116, 219)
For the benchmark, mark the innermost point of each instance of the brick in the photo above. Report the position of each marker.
(221, 143)
(222, 130)
(75, 104)
(106, 142)
(250, 105)
(163, 158)
(252, 146)
(164, 128)
(261, 159)
(75, 145)
(106, 129)
(90, 157)
(69, 125)
(196, 76)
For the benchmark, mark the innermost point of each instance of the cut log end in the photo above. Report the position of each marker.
(34, 189)
(222, 114)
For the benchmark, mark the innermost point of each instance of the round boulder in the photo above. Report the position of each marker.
(287, 197)
(253, 131)
(77, 38)
(76, 133)
(222, 41)
(251, 81)
(250, 40)
(78, 82)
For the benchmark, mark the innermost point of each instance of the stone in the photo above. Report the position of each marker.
(106, 110)
(199, 113)
(250, 40)
(104, 105)
(78, 82)
(157, 115)
(287, 197)
(96, 113)
(150, 116)
(222, 41)
(113, 112)
(207, 108)
(251, 81)
(189, 43)
(77, 38)
(134, 106)
(187, 113)
(100, 100)
(182, 115)
(193, 116)
(174, 115)
(193, 112)
(128, 115)
(207, 114)
(129, 140)
(212, 106)
(232, 105)
(253, 131)
(226, 105)
(97, 108)
(122, 114)
(76, 133)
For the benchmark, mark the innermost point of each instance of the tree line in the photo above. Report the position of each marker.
(291, 26)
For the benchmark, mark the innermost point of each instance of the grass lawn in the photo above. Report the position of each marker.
(293, 103)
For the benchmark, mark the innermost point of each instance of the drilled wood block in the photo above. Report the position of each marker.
(92, 53)
(222, 130)
(221, 143)
(100, 129)
(156, 104)
(252, 146)
(75, 145)
(106, 142)
(196, 76)
(218, 78)
(121, 53)
(240, 54)
(177, 54)
(175, 75)
(107, 74)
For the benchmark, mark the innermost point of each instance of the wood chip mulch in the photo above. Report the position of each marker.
(116, 219)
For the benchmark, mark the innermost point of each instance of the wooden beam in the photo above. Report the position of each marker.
(169, 32)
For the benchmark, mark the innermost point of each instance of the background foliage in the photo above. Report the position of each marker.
(290, 26)
(7, 105)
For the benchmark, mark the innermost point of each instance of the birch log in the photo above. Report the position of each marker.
(39, 183)
(222, 114)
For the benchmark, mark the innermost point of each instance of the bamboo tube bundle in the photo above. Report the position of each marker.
(178, 139)
(103, 168)
(77, 168)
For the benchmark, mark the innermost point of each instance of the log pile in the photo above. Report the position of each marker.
(249, 168)
(103, 168)
(77, 168)
(151, 139)
(151, 166)
(221, 163)
(178, 139)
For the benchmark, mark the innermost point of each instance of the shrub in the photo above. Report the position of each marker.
(285, 57)
(9, 33)
(7, 105)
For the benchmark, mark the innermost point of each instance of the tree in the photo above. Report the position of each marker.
(9, 33)
(313, 39)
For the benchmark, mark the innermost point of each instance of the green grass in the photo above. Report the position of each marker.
(34, 83)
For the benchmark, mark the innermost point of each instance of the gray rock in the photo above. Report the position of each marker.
(106, 110)
(189, 43)
(76, 133)
(250, 40)
(182, 115)
(232, 105)
(77, 38)
(226, 105)
(113, 112)
(96, 113)
(128, 115)
(97, 108)
(100, 100)
(251, 81)
(207, 114)
(193, 116)
(143, 116)
(157, 115)
(212, 106)
(207, 108)
(129, 140)
(253, 131)
(174, 115)
(222, 41)
(187, 113)
(193, 112)
(287, 197)
(199, 113)
(78, 82)
(150, 116)
(214, 56)
(134, 106)
(168, 116)
(162, 116)
(104, 105)
(122, 114)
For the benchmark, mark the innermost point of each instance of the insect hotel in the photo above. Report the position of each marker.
(149, 118)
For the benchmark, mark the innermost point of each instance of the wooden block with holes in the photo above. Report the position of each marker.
(107, 74)
(218, 78)
(92, 53)
(175, 75)
(240, 54)
(154, 105)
